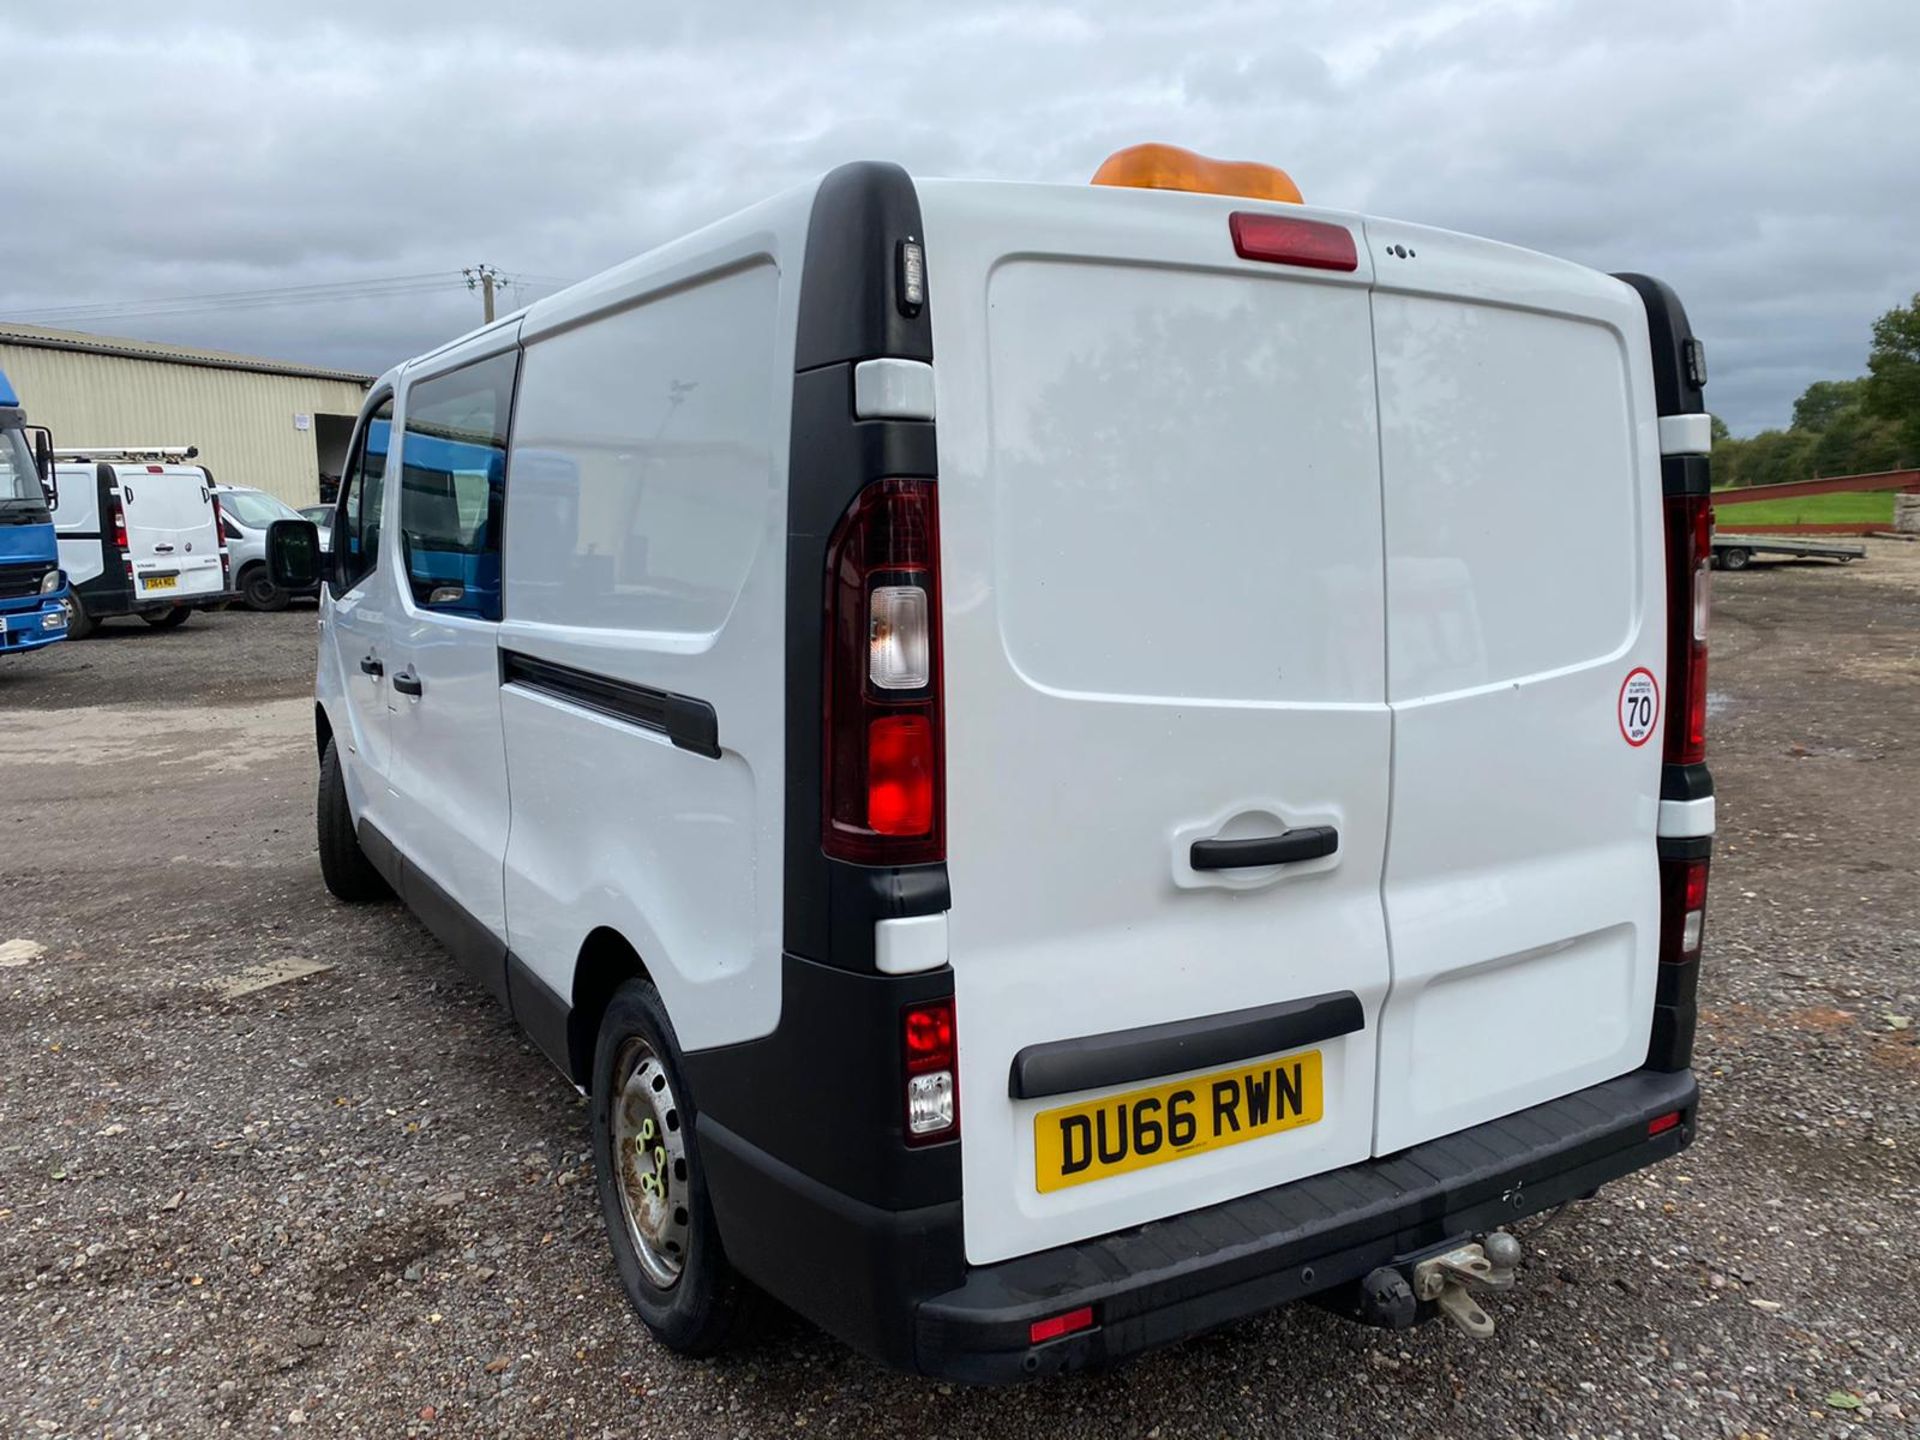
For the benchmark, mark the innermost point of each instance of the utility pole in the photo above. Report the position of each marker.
(484, 278)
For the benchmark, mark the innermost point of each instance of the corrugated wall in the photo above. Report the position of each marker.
(243, 422)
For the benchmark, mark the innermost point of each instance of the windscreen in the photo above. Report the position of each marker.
(19, 481)
(255, 509)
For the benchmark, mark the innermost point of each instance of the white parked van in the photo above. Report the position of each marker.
(139, 534)
(1027, 746)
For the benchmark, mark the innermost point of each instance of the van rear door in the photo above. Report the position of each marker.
(1159, 502)
(172, 541)
(1525, 636)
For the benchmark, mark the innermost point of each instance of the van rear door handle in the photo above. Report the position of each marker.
(1309, 842)
(407, 683)
(371, 666)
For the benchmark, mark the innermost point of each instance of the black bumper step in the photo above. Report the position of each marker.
(1189, 1273)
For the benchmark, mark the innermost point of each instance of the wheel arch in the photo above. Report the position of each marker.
(607, 960)
(322, 732)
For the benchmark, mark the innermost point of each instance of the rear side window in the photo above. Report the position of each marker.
(356, 532)
(453, 476)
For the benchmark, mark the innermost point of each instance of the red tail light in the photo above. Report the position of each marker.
(930, 1056)
(1689, 557)
(883, 770)
(119, 524)
(1683, 910)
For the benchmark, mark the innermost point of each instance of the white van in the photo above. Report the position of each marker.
(1030, 747)
(139, 534)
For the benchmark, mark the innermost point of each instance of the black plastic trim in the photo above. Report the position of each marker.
(1686, 475)
(1686, 782)
(1162, 1282)
(861, 214)
(542, 1013)
(1674, 390)
(689, 723)
(1308, 842)
(481, 953)
(825, 1092)
(1685, 847)
(1119, 1057)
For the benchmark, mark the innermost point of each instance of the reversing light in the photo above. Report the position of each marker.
(930, 1055)
(1054, 1326)
(1683, 909)
(1168, 167)
(899, 652)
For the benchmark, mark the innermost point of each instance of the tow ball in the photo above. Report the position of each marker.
(1442, 1284)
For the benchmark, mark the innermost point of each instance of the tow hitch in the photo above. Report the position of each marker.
(1400, 1295)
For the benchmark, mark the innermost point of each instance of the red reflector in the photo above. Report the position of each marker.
(1055, 1326)
(1660, 1124)
(1287, 241)
(900, 775)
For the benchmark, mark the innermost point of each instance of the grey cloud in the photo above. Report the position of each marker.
(1756, 153)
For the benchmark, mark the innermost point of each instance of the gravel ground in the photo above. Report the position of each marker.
(358, 1204)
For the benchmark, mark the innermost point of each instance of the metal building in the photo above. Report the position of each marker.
(269, 423)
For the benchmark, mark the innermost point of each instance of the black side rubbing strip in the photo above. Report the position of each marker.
(1093, 1062)
(689, 723)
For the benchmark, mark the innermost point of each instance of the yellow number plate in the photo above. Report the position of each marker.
(161, 582)
(1078, 1143)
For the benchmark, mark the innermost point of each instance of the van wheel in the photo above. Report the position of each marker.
(79, 623)
(652, 1187)
(350, 876)
(258, 591)
(166, 619)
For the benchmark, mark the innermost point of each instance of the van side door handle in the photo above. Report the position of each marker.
(371, 666)
(407, 683)
(1309, 842)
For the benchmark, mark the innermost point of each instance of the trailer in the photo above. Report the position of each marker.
(1736, 552)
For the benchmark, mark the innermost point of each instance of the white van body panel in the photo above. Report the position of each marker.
(171, 532)
(645, 541)
(448, 774)
(1160, 521)
(354, 627)
(76, 521)
(1520, 463)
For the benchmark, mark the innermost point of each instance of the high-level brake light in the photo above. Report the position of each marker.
(1289, 240)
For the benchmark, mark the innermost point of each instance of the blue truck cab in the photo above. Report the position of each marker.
(33, 589)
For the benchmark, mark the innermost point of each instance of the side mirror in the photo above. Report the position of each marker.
(43, 463)
(293, 554)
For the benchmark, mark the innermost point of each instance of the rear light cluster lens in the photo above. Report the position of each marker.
(930, 1055)
(1683, 909)
(220, 529)
(119, 524)
(883, 769)
(1689, 557)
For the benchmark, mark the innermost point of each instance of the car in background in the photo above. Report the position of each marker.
(245, 515)
(322, 517)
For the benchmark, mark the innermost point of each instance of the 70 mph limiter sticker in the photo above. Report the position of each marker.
(1639, 706)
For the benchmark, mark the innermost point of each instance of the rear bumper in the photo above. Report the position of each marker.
(864, 1273)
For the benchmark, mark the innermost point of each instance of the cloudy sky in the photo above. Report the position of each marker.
(1761, 155)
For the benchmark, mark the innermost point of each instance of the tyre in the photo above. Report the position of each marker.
(653, 1192)
(350, 876)
(258, 592)
(79, 623)
(1734, 558)
(166, 619)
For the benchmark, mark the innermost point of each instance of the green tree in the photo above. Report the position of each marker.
(1822, 402)
(1892, 390)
